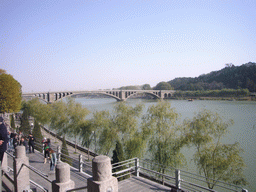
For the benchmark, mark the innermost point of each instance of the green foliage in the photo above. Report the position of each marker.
(10, 93)
(215, 160)
(85, 134)
(213, 93)
(130, 87)
(230, 77)
(118, 153)
(105, 130)
(12, 122)
(67, 118)
(163, 86)
(37, 134)
(24, 121)
(64, 151)
(126, 123)
(122, 125)
(118, 156)
(146, 87)
(164, 138)
(40, 111)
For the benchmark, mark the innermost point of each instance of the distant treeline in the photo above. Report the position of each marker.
(230, 81)
(230, 77)
(214, 93)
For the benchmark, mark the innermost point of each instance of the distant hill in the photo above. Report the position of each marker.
(230, 77)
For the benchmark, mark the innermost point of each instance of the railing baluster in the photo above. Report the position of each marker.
(80, 163)
(177, 178)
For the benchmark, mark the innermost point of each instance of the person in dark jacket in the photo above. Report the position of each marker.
(23, 142)
(15, 141)
(3, 138)
(31, 143)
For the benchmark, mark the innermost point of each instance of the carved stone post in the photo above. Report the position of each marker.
(62, 182)
(5, 162)
(102, 176)
(21, 173)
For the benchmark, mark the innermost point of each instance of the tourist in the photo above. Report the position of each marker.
(3, 138)
(15, 141)
(53, 159)
(46, 150)
(49, 142)
(23, 142)
(31, 143)
(20, 135)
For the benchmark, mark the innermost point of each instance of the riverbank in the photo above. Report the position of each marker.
(217, 98)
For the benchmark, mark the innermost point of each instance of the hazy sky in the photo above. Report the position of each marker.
(70, 45)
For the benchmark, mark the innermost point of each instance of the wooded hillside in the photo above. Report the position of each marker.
(230, 77)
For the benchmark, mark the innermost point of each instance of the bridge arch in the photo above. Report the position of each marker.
(156, 94)
(112, 94)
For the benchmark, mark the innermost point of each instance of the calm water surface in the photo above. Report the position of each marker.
(243, 131)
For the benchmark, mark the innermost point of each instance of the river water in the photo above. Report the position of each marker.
(243, 130)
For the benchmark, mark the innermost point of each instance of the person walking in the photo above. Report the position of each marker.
(3, 138)
(46, 150)
(31, 143)
(53, 157)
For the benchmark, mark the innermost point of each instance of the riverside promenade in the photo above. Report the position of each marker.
(36, 160)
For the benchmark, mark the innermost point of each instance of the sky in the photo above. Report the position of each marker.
(72, 45)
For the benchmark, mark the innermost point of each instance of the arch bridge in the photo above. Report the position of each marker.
(119, 95)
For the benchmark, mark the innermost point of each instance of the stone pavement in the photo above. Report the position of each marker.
(36, 160)
(137, 184)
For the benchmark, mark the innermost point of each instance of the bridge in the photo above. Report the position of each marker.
(119, 95)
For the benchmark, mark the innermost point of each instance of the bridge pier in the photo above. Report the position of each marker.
(51, 97)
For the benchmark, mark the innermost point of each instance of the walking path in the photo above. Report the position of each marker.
(133, 184)
(36, 160)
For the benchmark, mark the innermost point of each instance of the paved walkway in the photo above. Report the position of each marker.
(36, 160)
(136, 184)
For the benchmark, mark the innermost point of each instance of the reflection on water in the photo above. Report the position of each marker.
(242, 112)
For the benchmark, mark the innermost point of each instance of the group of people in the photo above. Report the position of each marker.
(11, 140)
(19, 139)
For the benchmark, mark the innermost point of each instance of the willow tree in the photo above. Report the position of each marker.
(126, 121)
(67, 117)
(10, 93)
(105, 132)
(119, 125)
(163, 135)
(216, 161)
(40, 111)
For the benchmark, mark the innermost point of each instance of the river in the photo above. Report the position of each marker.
(243, 130)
